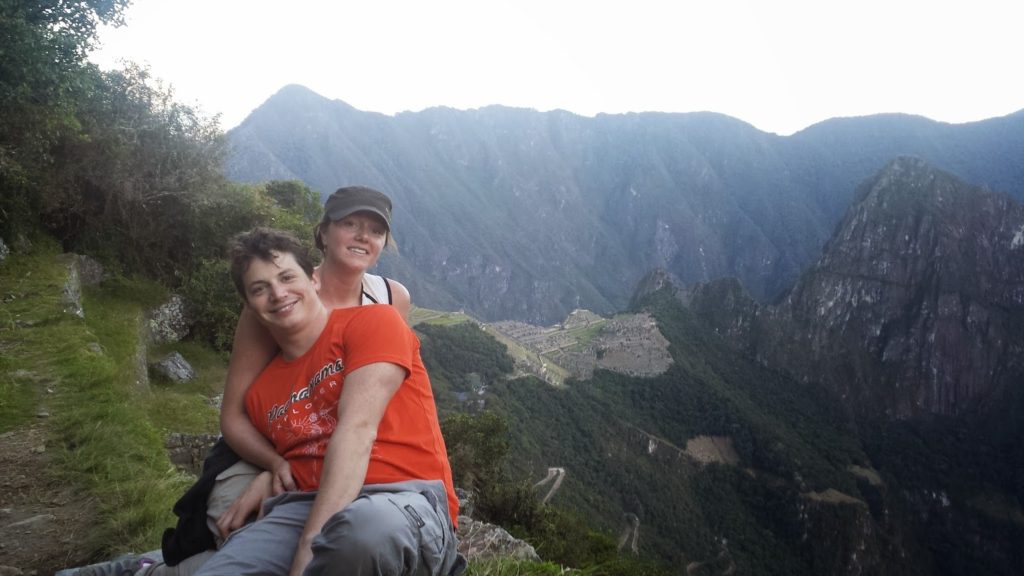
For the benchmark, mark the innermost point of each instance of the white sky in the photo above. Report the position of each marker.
(780, 65)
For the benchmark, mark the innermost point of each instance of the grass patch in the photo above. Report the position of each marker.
(509, 567)
(420, 315)
(185, 406)
(586, 334)
(999, 507)
(866, 473)
(107, 428)
(112, 444)
(33, 327)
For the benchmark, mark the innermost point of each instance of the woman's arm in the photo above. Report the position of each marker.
(400, 298)
(252, 350)
(364, 398)
(247, 504)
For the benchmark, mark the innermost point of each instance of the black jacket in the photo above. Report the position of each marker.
(192, 536)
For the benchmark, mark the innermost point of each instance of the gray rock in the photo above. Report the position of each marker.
(465, 501)
(483, 541)
(175, 368)
(71, 294)
(90, 272)
(82, 270)
(170, 322)
(187, 451)
(4, 250)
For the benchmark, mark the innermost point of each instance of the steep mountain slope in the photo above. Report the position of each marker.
(914, 319)
(623, 443)
(924, 280)
(516, 214)
(875, 413)
(915, 308)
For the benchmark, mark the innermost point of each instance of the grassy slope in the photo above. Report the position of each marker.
(107, 426)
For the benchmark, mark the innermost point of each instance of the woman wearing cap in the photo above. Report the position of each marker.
(355, 228)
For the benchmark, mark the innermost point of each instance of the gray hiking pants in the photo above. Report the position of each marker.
(400, 528)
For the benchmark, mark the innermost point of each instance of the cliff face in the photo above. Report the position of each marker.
(513, 214)
(914, 318)
(915, 307)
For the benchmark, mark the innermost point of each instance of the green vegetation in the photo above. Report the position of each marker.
(600, 431)
(113, 446)
(460, 357)
(32, 326)
(420, 315)
(84, 373)
(108, 164)
(509, 567)
(478, 450)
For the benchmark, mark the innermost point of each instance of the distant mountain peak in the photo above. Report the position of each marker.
(913, 309)
(512, 213)
(917, 291)
(912, 218)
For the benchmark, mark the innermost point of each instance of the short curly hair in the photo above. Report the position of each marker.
(266, 244)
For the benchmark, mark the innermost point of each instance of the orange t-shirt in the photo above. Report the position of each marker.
(294, 403)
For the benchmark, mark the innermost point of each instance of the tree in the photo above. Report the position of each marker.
(477, 446)
(295, 196)
(42, 75)
(131, 176)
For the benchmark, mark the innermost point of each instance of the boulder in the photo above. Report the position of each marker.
(71, 293)
(175, 368)
(90, 272)
(483, 541)
(170, 322)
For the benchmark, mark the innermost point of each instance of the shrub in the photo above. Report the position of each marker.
(214, 304)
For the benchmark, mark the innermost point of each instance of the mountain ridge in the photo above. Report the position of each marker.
(915, 307)
(515, 214)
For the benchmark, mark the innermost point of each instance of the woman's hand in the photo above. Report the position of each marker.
(252, 349)
(283, 481)
(245, 506)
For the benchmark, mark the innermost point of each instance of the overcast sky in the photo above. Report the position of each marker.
(780, 65)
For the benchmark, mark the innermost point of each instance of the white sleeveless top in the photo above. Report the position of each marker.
(376, 290)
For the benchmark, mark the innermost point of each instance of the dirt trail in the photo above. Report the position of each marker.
(43, 521)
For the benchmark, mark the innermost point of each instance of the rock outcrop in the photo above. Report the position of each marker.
(479, 541)
(915, 308)
(175, 368)
(169, 322)
(918, 296)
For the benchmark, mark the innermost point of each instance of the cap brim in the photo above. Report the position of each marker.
(336, 215)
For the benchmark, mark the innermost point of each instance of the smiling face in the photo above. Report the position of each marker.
(281, 294)
(355, 241)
